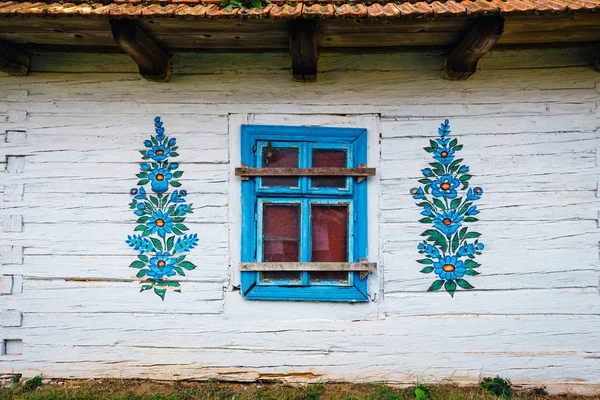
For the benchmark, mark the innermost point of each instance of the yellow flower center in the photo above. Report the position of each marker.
(159, 152)
(444, 154)
(448, 268)
(160, 222)
(446, 221)
(160, 177)
(477, 191)
(161, 263)
(414, 191)
(445, 186)
(133, 191)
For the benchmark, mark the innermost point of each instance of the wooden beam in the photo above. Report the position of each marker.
(13, 61)
(303, 48)
(153, 62)
(325, 171)
(308, 266)
(461, 63)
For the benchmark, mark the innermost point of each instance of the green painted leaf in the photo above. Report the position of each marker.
(438, 172)
(140, 228)
(453, 142)
(424, 180)
(142, 175)
(175, 184)
(471, 219)
(464, 284)
(177, 174)
(142, 182)
(471, 264)
(428, 149)
(450, 287)
(462, 233)
(435, 286)
(170, 242)
(154, 200)
(439, 204)
(137, 264)
(187, 265)
(472, 235)
(174, 154)
(427, 270)
(141, 273)
(455, 203)
(464, 208)
(157, 244)
(176, 231)
(465, 177)
(433, 144)
(146, 287)
(458, 148)
(182, 227)
(143, 219)
(154, 140)
(425, 261)
(143, 258)
(423, 204)
(437, 165)
(455, 243)
(146, 233)
(179, 271)
(471, 272)
(173, 284)
(160, 293)
(425, 220)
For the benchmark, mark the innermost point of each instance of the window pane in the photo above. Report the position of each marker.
(329, 240)
(329, 158)
(278, 157)
(281, 239)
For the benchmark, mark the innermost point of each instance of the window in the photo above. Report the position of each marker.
(304, 219)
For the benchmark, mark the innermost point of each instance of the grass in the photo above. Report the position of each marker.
(152, 390)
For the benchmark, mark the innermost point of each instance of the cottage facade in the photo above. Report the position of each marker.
(527, 122)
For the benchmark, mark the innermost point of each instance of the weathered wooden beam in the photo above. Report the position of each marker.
(13, 61)
(324, 171)
(303, 48)
(461, 63)
(308, 266)
(153, 62)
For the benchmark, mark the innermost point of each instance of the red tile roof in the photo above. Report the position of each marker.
(280, 9)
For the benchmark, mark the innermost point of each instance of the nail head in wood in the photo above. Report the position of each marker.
(13, 61)
(153, 62)
(461, 63)
(303, 49)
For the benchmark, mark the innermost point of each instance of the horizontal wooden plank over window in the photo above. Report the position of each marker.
(307, 266)
(331, 171)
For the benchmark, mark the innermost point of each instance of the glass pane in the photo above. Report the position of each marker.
(329, 240)
(329, 158)
(279, 157)
(281, 239)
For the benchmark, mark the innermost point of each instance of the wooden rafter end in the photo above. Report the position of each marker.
(13, 61)
(153, 62)
(461, 63)
(303, 49)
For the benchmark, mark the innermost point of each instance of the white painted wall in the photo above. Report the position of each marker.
(529, 122)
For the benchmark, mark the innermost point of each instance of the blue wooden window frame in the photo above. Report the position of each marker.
(354, 141)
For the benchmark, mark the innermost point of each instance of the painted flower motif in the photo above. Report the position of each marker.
(183, 193)
(444, 155)
(448, 222)
(159, 153)
(467, 250)
(176, 197)
(445, 186)
(417, 193)
(474, 193)
(429, 250)
(147, 143)
(160, 266)
(172, 141)
(159, 178)
(427, 211)
(133, 191)
(463, 170)
(160, 223)
(449, 268)
(427, 172)
(472, 210)
(182, 209)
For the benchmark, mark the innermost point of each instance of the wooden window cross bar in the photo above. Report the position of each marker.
(361, 172)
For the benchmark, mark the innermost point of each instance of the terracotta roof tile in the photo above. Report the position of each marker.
(280, 9)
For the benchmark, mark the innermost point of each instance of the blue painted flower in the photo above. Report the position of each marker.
(159, 153)
(417, 193)
(444, 128)
(172, 142)
(466, 250)
(160, 223)
(182, 209)
(147, 143)
(141, 194)
(447, 222)
(145, 167)
(474, 193)
(443, 141)
(140, 209)
(174, 165)
(445, 186)
(159, 178)
(429, 250)
(427, 211)
(444, 155)
(176, 197)
(160, 266)
(183, 193)
(449, 268)
(427, 172)
(480, 246)
(133, 191)
(463, 170)
(472, 210)
(160, 137)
